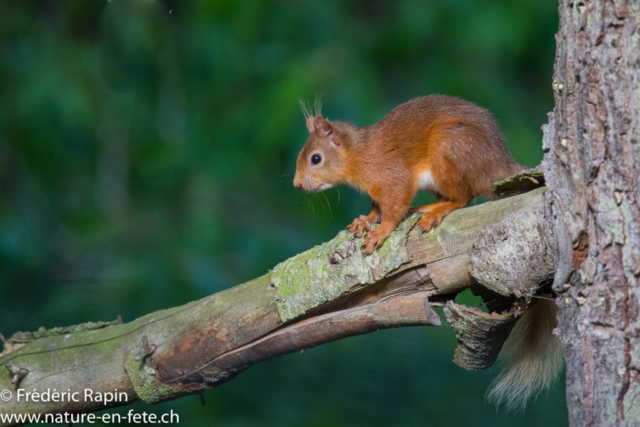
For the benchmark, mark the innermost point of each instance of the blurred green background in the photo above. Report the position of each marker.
(147, 151)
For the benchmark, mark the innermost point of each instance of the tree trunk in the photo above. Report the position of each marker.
(592, 170)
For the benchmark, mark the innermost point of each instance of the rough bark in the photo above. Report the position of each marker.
(329, 292)
(592, 169)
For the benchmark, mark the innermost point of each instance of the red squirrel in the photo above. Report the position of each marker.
(454, 149)
(438, 143)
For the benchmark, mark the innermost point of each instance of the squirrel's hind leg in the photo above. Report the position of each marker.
(432, 214)
(427, 208)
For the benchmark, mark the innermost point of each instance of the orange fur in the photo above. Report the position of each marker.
(454, 149)
(455, 141)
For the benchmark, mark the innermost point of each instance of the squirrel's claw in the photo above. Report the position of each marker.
(429, 220)
(375, 238)
(359, 226)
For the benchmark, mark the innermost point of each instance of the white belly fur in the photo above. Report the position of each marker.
(426, 182)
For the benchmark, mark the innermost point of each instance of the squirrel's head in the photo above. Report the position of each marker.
(323, 160)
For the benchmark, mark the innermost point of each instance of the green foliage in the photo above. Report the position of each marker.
(147, 151)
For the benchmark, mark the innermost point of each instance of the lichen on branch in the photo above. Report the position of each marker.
(332, 269)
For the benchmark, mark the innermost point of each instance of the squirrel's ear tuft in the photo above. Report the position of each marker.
(323, 126)
(310, 126)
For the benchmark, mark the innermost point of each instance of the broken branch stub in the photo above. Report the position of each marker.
(17, 373)
(519, 183)
(480, 335)
(510, 260)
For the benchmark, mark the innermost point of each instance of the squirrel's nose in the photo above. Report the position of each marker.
(297, 182)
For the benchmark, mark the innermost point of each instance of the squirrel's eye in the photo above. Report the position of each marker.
(315, 159)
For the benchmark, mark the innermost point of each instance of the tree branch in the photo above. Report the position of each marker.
(330, 292)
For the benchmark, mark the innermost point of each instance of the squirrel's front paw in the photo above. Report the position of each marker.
(359, 226)
(375, 238)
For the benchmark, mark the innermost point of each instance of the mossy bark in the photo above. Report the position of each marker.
(329, 292)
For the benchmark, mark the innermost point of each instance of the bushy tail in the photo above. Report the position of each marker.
(532, 357)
